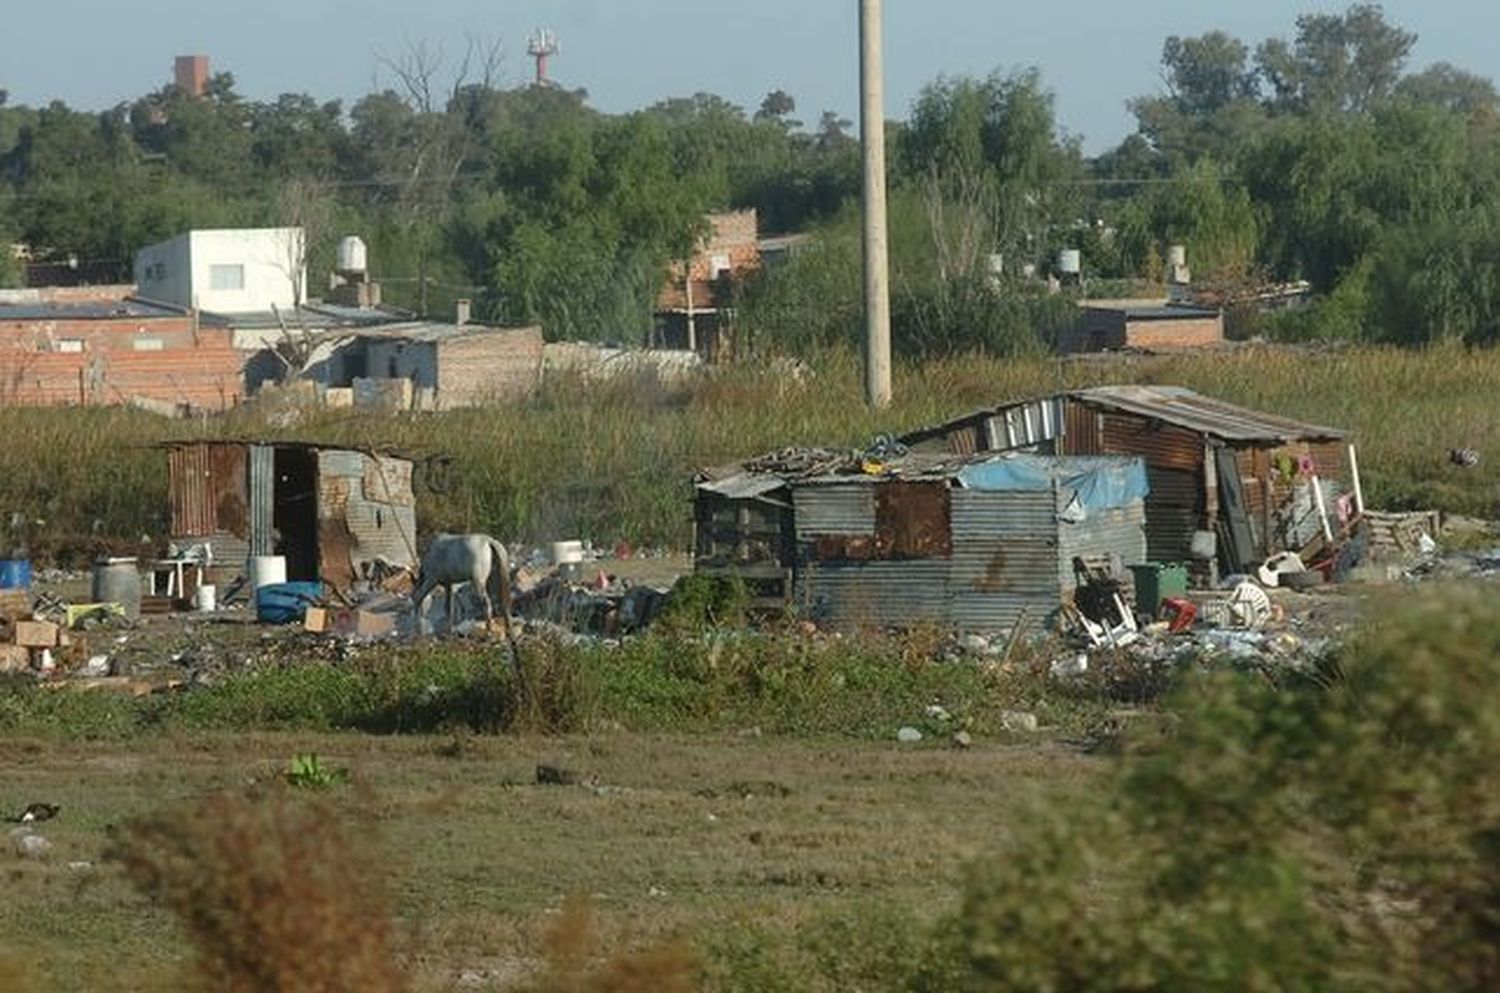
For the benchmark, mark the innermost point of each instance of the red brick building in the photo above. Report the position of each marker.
(693, 311)
(88, 347)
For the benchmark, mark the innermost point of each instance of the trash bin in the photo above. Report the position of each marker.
(1155, 582)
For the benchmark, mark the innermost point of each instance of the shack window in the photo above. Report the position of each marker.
(226, 276)
(68, 345)
(146, 344)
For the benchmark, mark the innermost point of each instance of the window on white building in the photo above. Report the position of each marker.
(226, 277)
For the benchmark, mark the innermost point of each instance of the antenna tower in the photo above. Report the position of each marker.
(542, 46)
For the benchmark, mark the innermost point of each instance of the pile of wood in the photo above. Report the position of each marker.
(30, 643)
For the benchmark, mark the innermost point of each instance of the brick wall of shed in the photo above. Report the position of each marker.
(476, 369)
(1175, 333)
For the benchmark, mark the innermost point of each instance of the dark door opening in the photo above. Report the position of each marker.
(295, 512)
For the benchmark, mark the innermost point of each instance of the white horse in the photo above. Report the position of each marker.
(478, 559)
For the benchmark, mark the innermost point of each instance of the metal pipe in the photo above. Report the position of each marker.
(1359, 490)
(876, 246)
(1317, 485)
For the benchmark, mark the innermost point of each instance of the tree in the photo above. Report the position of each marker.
(778, 108)
(1348, 62)
(1443, 85)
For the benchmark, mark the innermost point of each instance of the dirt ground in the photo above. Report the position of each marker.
(663, 834)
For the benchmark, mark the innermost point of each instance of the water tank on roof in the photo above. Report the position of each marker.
(1070, 262)
(351, 257)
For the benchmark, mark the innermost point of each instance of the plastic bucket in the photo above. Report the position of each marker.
(15, 574)
(286, 603)
(118, 581)
(208, 598)
(266, 570)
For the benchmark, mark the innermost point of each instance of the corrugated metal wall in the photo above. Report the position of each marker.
(1004, 558)
(191, 492)
(262, 499)
(366, 511)
(1117, 532)
(1009, 554)
(834, 509)
(865, 594)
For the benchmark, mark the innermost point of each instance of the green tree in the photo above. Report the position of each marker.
(1348, 62)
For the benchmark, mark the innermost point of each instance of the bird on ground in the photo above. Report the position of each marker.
(37, 812)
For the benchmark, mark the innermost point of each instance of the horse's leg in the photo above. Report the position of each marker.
(419, 597)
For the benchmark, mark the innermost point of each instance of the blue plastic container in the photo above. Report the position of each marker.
(15, 574)
(286, 603)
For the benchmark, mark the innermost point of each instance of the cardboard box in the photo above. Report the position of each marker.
(315, 620)
(368, 624)
(14, 659)
(36, 634)
(15, 605)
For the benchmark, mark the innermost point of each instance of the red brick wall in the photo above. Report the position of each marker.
(1179, 332)
(201, 369)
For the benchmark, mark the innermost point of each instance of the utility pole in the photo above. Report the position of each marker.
(877, 254)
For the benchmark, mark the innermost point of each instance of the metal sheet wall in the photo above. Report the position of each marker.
(357, 526)
(834, 509)
(191, 492)
(1119, 532)
(262, 485)
(874, 594)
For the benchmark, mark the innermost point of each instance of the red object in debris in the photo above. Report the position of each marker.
(623, 550)
(1182, 613)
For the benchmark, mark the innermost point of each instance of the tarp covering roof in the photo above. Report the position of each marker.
(1100, 482)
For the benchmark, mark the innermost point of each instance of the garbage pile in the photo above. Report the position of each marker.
(50, 639)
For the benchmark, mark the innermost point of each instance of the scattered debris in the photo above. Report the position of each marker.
(908, 735)
(1019, 722)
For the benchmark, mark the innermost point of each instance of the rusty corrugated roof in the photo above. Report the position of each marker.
(1206, 415)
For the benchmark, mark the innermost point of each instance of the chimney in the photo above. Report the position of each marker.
(191, 74)
(461, 311)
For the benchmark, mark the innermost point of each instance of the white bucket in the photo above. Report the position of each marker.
(267, 569)
(208, 598)
(567, 552)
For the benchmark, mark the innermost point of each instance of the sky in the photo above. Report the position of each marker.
(1095, 54)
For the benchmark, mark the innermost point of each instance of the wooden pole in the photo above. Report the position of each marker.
(876, 246)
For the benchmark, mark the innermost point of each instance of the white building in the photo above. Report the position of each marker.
(227, 271)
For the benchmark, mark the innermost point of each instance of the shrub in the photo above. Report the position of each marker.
(276, 896)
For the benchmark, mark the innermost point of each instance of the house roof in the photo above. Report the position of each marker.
(1153, 311)
(110, 310)
(1206, 415)
(1174, 405)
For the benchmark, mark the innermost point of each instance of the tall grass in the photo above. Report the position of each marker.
(612, 460)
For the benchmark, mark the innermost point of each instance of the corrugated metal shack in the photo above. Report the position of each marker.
(971, 542)
(333, 512)
(742, 526)
(1245, 476)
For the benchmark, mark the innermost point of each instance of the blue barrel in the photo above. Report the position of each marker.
(286, 603)
(15, 574)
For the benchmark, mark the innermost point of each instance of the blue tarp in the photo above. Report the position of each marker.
(1099, 481)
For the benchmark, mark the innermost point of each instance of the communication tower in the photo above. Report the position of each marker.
(542, 46)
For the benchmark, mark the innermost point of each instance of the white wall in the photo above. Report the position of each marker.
(163, 272)
(267, 261)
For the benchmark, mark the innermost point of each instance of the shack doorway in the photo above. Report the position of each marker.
(295, 511)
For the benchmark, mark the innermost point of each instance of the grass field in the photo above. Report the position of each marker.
(744, 846)
(614, 461)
